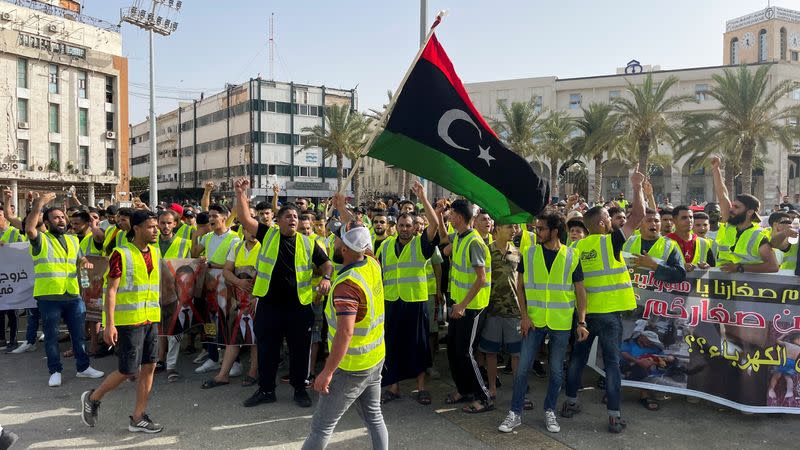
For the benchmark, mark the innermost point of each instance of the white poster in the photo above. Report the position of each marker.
(16, 277)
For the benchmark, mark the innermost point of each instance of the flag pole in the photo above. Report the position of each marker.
(385, 117)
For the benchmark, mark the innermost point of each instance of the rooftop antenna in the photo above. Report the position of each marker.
(272, 47)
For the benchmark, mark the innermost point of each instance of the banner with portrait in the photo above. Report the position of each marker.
(93, 295)
(182, 303)
(231, 308)
(733, 339)
(16, 276)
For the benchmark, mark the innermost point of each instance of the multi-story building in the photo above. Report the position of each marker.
(253, 129)
(777, 44)
(63, 85)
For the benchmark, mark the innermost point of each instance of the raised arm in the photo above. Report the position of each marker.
(275, 191)
(10, 216)
(36, 211)
(433, 221)
(205, 202)
(647, 188)
(637, 210)
(340, 204)
(720, 190)
(240, 187)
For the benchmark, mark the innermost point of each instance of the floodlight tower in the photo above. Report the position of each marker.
(153, 16)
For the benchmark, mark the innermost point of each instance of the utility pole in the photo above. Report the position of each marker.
(153, 22)
(272, 47)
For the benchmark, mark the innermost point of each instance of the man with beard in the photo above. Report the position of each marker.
(743, 245)
(618, 217)
(696, 250)
(182, 230)
(132, 313)
(667, 220)
(380, 227)
(55, 259)
(82, 225)
(115, 235)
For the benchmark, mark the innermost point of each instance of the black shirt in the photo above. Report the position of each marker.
(283, 283)
(428, 246)
(549, 259)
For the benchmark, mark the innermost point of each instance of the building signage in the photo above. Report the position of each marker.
(312, 158)
(307, 186)
(766, 14)
(43, 43)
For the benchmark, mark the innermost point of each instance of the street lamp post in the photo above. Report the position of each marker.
(155, 18)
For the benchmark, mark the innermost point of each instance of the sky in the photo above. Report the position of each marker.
(370, 44)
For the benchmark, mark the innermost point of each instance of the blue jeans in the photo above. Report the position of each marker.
(73, 312)
(559, 340)
(33, 325)
(607, 328)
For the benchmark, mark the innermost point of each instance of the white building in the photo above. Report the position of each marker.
(63, 87)
(253, 129)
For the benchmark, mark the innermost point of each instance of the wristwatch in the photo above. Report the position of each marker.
(582, 324)
(740, 268)
(327, 277)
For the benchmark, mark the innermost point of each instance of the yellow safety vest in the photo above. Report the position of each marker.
(317, 278)
(120, 240)
(550, 295)
(702, 247)
(221, 252)
(244, 259)
(404, 276)
(138, 292)
(367, 348)
(660, 249)
(607, 280)
(431, 276)
(302, 263)
(463, 276)
(11, 235)
(88, 248)
(744, 250)
(56, 269)
(329, 244)
(527, 240)
(178, 248)
(790, 258)
(184, 231)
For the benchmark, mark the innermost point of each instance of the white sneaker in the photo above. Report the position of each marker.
(41, 338)
(55, 380)
(550, 421)
(90, 373)
(201, 357)
(24, 348)
(513, 420)
(236, 370)
(207, 366)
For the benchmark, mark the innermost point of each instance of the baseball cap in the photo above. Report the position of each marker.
(188, 213)
(177, 208)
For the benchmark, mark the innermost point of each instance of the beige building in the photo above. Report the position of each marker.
(63, 85)
(679, 183)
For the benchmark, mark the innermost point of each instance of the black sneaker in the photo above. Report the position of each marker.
(568, 410)
(260, 397)
(301, 398)
(89, 409)
(145, 425)
(160, 366)
(616, 424)
(538, 369)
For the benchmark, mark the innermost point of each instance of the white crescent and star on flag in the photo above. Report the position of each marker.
(453, 115)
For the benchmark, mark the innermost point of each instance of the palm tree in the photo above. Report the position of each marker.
(343, 137)
(646, 118)
(519, 126)
(748, 118)
(599, 140)
(555, 134)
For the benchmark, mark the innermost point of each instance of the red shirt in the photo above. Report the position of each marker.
(687, 247)
(115, 264)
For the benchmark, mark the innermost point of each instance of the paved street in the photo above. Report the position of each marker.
(48, 418)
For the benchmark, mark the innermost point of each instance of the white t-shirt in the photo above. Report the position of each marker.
(216, 239)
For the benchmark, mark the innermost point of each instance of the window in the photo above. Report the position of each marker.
(109, 121)
(22, 73)
(22, 110)
(22, 151)
(574, 101)
(612, 95)
(734, 51)
(271, 139)
(784, 43)
(83, 157)
(109, 89)
(55, 156)
(83, 122)
(762, 45)
(82, 84)
(52, 79)
(271, 106)
(537, 103)
(795, 56)
(701, 92)
(53, 116)
(110, 159)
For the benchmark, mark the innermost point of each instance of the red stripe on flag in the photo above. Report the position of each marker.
(436, 55)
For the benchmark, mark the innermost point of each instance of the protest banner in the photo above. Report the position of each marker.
(182, 306)
(93, 295)
(244, 309)
(16, 276)
(733, 339)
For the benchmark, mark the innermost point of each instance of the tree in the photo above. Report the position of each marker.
(646, 117)
(343, 137)
(555, 134)
(599, 140)
(518, 127)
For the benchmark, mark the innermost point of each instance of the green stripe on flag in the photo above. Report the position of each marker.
(427, 162)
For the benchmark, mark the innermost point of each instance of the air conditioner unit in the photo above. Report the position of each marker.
(40, 168)
(111, 135)
(52, 28)
(5, 16)
(110, 173)
(14, 166)
(85, 171)
(23, 125)
(5, 166)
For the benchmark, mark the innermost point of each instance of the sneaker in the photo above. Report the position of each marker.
(568, 410)
(160, 366)
(616, 424)
(41, 338)
(55, 380)
(89, 409)
(145, 425)
(538, 369)
(260, 397)
(200, 358)
(207, 366)
(236, 370)
(7, 439)
(550, 421)
(11, 347)
(90, 373)
(285, 379)
(512, 420)
(301, 398)
(24, 348)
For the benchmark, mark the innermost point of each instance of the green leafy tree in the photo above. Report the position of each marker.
(555, 145)
(518, 127)
(599, 140)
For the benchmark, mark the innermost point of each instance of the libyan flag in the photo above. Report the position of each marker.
(434, 131)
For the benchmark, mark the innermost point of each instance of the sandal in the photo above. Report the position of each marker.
(248, 381)
(483, 406)
(388, 396)
(649, 404)
(173, 375)
(212, 383)
(423, 397)
(451, 399)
